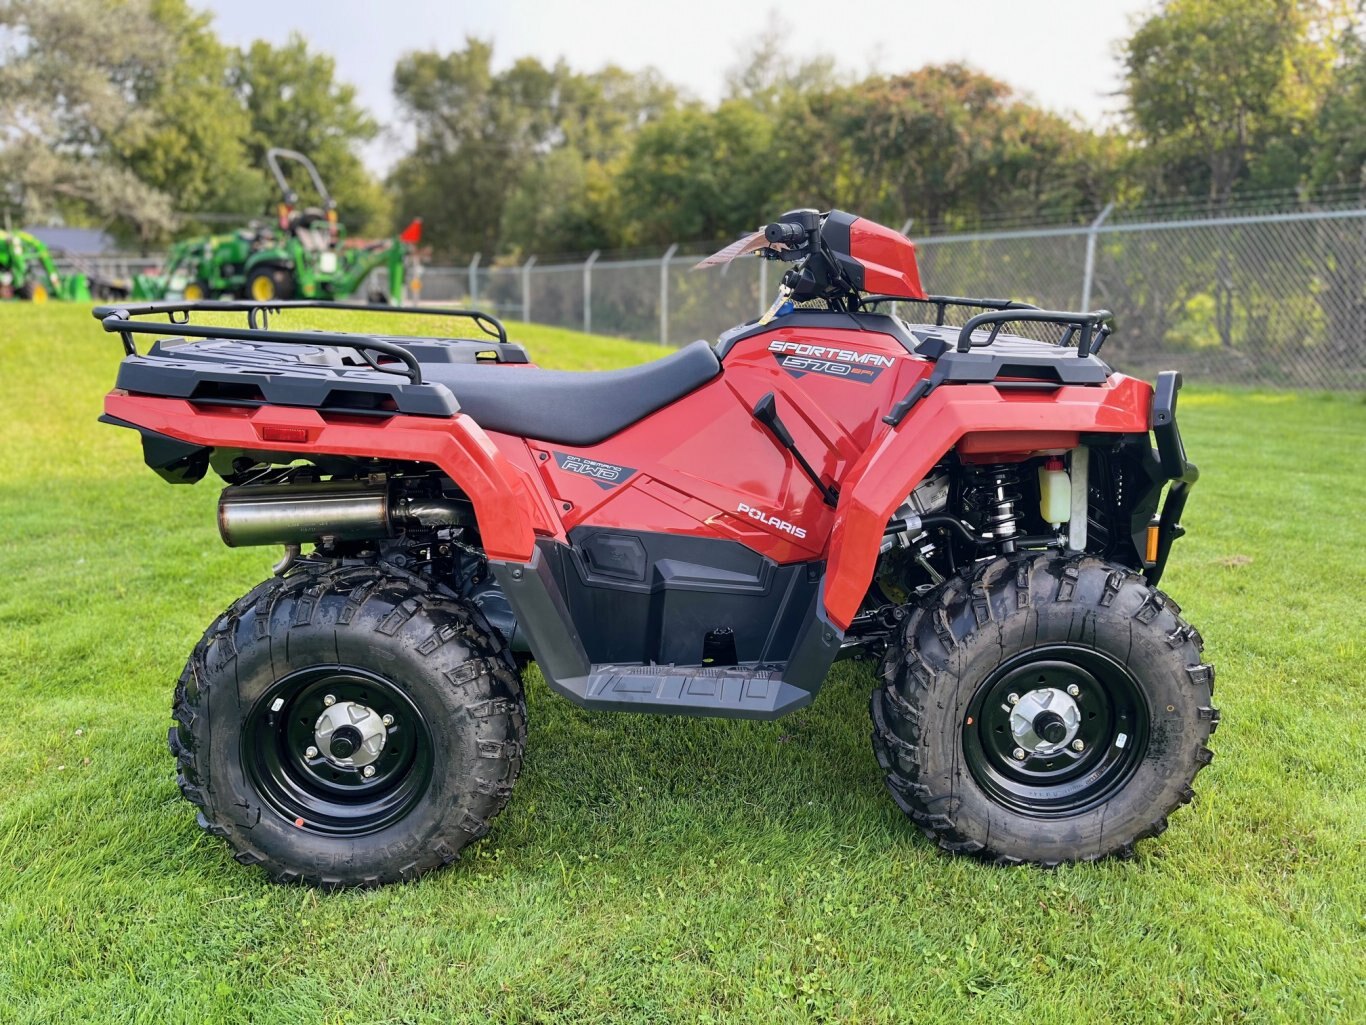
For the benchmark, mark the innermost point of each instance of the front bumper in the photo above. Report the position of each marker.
(1171, 457)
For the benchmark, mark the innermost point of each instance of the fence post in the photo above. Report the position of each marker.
(763, 286)
(474, 280)
(526, 289)
(588, 290)
(1089, 274)
(664, 293)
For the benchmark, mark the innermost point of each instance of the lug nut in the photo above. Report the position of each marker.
(388, 720)
(1014, 699)
(1018, 754)
(329, 700)
(1073, 689)
(1077, 745)
(368, 771)
(312, 752)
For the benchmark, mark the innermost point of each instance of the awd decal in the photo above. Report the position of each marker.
(772, 521)
(798, 358)
(604, 475)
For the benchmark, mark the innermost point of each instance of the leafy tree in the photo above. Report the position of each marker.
(524, 157)
(293, 100)
(193, 148)
(67, 71)
(1220, 89)
(950, 146)
(1340, 134)
(699, 174)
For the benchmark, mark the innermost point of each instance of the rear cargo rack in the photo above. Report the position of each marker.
(122, 319)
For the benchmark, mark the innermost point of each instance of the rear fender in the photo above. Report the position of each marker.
(889, 470)
(509, 508)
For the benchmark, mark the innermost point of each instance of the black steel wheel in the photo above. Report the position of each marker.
(1055, 730)
(344, 779)
(1044, 709)
(348, 726)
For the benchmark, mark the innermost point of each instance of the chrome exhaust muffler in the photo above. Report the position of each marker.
(292, 514)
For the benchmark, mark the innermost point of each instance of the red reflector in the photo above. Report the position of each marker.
(297, 434)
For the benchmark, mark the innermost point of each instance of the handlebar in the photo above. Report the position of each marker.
(785, 233)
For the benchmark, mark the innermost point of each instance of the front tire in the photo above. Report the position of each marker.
(1047, 709)
(348, 726)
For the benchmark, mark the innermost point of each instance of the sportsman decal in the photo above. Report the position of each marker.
(799, 358)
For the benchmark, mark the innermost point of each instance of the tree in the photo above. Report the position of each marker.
(67, 73)
(1216, 86)
(524, 157)
(1340, 133)
(193, 149)
(699, 174)
(950, 147)
(293, 100)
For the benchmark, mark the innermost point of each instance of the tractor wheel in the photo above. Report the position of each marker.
(267, 284)
(348, 726)
(34, 291)
(1048, 709)
(195, 291)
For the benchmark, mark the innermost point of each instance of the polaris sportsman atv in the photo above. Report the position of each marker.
(706, 534)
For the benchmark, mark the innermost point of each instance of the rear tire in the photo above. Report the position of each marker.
(1085, 652)
(275, 768)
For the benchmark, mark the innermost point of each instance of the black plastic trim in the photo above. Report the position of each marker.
(875, 323)
(175, 461)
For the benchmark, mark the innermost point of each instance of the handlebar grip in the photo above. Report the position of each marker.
(785, 232)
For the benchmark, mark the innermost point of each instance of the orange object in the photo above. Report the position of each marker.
(1150, 549)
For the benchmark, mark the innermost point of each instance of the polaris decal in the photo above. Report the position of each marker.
(798, 358)
(604, 475)
(772, 521)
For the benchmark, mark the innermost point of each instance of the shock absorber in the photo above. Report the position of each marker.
(995, 492)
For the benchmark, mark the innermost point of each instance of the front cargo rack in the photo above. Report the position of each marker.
(123, 319)
(1089, 329)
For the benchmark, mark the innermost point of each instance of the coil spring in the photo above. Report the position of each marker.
(995, 492)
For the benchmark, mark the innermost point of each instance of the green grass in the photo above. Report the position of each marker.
(651, 869)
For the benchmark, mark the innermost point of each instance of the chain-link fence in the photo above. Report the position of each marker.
(1266, 299)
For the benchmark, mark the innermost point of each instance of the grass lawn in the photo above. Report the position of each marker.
(653, 869)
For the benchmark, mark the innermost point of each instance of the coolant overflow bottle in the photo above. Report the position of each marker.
(1055, 492)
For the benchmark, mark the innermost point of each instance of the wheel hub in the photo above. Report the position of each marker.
(1055, 730)
(1044, 721)
(350, 735)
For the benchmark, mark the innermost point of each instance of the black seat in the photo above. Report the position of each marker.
(572, 407)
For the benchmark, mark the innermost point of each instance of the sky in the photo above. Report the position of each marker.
(1059, 52)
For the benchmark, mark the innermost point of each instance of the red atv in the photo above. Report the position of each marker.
(704, 534)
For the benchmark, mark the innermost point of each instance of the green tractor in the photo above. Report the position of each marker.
(27, 272)
(305, 255)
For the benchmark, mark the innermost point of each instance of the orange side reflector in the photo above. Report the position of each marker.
(295, 434)
(1150, 549)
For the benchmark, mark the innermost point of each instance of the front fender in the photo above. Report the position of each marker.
(890, 469)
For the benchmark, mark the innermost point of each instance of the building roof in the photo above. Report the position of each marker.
(74, 240)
